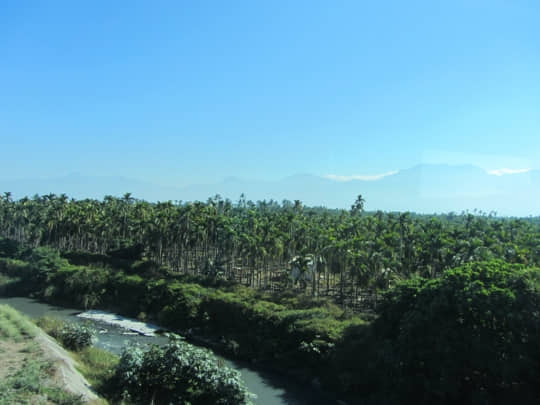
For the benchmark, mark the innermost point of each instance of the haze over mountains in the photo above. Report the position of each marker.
(425, 188)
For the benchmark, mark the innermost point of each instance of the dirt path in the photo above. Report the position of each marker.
(66, 373)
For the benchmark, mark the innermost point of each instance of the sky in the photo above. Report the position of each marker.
(182, 92)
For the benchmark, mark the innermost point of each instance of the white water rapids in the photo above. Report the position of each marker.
(142, 328)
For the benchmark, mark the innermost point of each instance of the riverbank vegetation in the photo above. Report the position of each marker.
(97, 365)
(297, 333)
(73, 336)
(471, 332)
(26, 376)
(394, 308)
(176, 373)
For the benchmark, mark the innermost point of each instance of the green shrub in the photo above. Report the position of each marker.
(43, 264)
(86, 286)
(178, 373)
(72, 335)
(75, 336)
(15, 267)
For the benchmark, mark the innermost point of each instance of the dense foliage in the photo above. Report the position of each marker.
(252, 243)
(178, 373)
(471, 336)
(458, 321)
(285, 328)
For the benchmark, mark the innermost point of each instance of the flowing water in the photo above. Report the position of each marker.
(270, 388)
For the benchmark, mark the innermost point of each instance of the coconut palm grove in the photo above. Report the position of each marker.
(371, 307)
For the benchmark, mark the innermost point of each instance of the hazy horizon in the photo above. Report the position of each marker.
(189, 93)
(424, 188)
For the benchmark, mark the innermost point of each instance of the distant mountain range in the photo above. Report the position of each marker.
(423, 188)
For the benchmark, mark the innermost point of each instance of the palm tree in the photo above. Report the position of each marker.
(358, 205)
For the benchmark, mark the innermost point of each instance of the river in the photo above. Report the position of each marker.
(270, 388)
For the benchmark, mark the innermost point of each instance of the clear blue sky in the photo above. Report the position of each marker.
(180, 92)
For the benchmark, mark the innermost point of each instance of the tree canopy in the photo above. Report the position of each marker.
(253, 242)
(470, 336)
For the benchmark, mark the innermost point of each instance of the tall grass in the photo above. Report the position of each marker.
(29, 386)
(14, 325)
(98, 367)
(50, 325)
(9, 330)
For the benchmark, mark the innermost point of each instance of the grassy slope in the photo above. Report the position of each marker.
(95, 364)
(27, 377)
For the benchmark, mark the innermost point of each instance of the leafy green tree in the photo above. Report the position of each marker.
(470, 336)
(44, 262)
